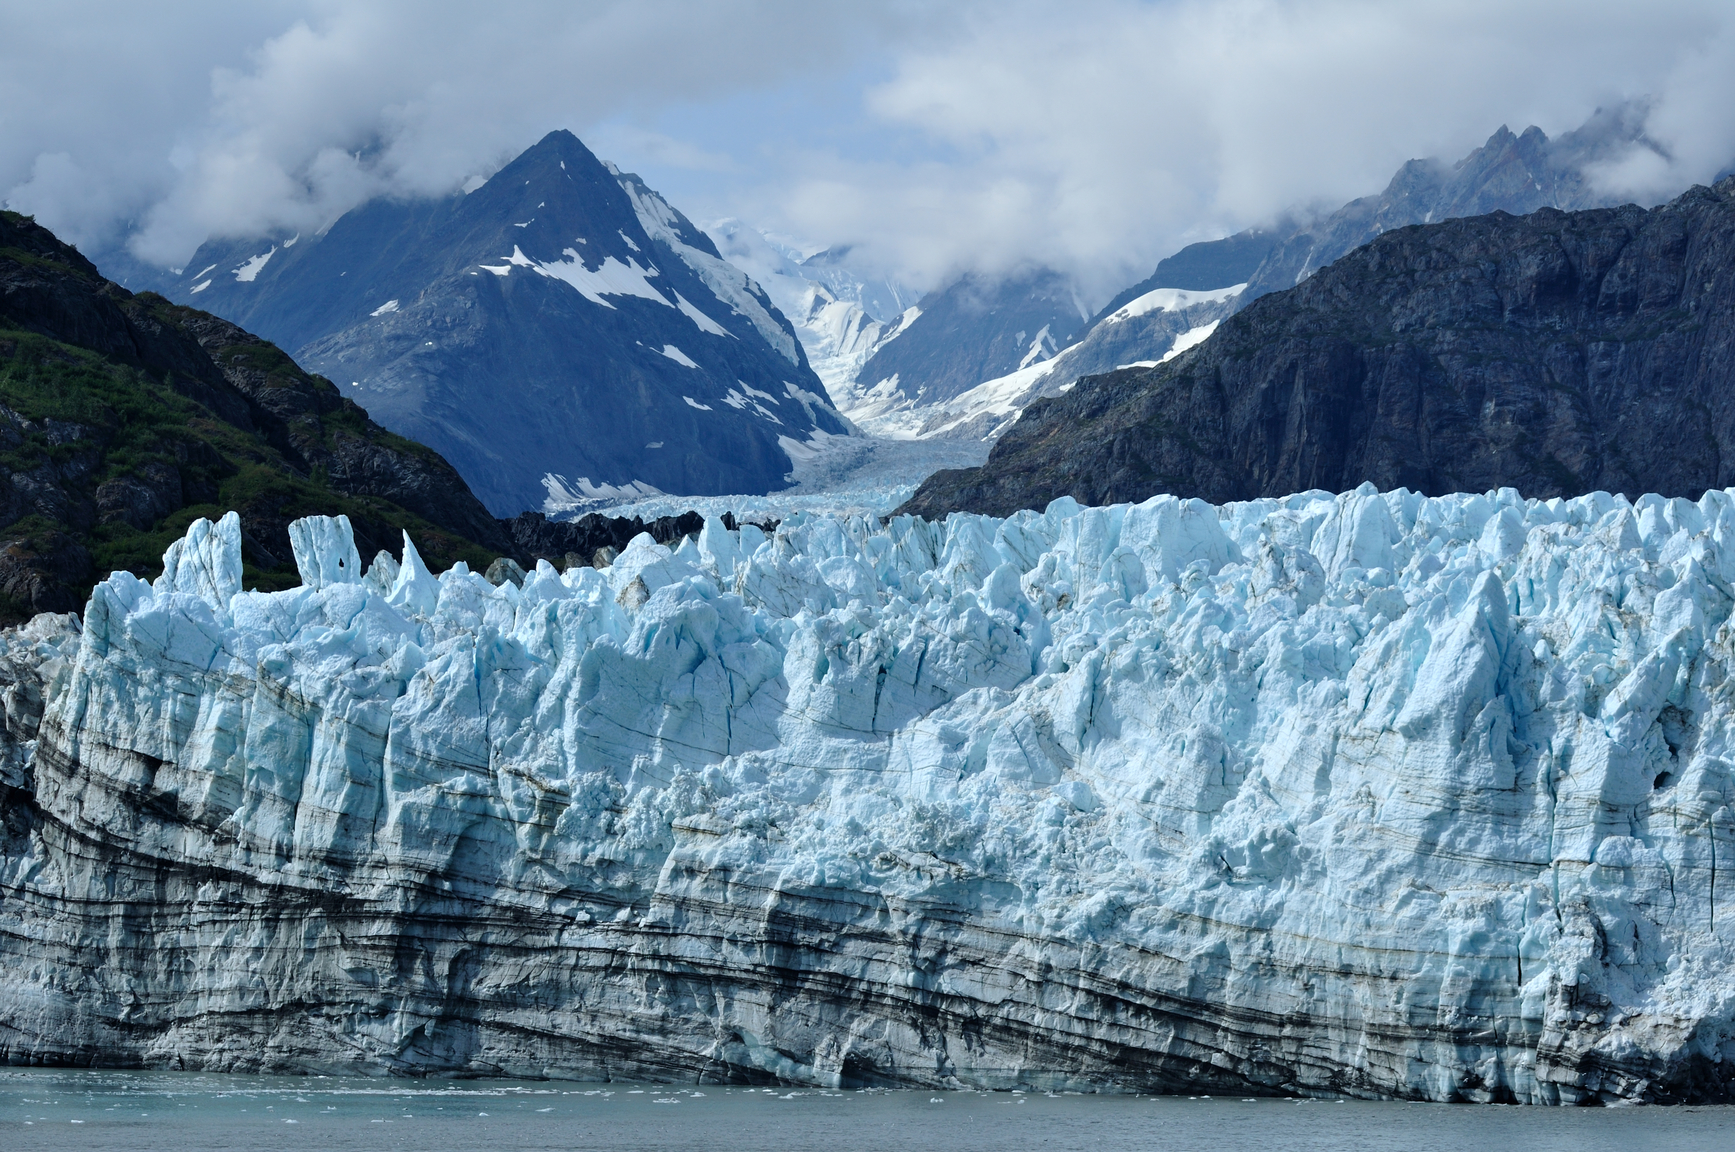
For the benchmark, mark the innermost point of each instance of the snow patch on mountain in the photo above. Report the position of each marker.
(1191, 338)
(705, 323)
(1169, 300)
(249, 271)
(566, 497)
(610, 278)
(825, 304)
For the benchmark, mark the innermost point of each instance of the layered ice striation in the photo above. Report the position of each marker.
(1370, 794)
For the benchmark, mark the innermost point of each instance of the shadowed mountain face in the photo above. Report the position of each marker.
(1556, 353)
(977, 329)
(559, 333)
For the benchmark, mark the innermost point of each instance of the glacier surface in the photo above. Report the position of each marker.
(1370, 794)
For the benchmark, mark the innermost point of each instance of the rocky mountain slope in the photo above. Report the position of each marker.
(977, 328)
(123, 418)
(127, 417)
(1556, 353)
(1512, 173)
(559, 334)
(1372, 795)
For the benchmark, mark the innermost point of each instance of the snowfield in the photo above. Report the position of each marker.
(1370, 794)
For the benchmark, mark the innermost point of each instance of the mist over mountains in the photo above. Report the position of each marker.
(1190, 292)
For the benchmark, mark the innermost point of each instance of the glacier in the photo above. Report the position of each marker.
(1367, 794)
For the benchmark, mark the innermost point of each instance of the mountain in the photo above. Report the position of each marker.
(882, 298)
(976, 328)
(1556, 353)
(1203, 267)
(838, 314)
(1516, 174)
(560, 334)
(123, 418)
(1148, 322)
(1358, 796)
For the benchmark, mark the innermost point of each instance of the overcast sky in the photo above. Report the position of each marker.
(1094, 135)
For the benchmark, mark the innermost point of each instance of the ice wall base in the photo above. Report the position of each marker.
(1368, 794)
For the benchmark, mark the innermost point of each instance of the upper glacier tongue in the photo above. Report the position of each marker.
(1370, 793)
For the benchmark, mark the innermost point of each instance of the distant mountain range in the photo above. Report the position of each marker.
(1557, 353)
(1191, 291)
(561, 334)
(567, 338)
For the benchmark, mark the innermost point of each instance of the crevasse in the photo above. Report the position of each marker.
(1371, 794)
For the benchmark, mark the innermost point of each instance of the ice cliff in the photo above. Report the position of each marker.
(1371, 794)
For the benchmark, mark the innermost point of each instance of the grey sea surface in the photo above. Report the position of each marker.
(51, 1108)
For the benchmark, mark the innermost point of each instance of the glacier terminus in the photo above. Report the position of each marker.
(1369, 794)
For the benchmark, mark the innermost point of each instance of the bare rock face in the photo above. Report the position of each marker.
(1557, 353)
(1371, 794)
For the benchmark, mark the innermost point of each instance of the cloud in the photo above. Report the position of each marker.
(1096, 137)
(1103, 136)
(305, 110)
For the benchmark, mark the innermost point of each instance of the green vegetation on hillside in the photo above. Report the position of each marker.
(75, 421)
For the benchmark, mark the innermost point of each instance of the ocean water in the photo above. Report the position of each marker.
(189, 1111)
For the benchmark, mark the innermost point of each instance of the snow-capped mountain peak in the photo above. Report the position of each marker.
(560, 332)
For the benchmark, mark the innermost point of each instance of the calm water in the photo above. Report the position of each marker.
(187, 1111)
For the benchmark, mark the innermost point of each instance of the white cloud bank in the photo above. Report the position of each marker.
(1096, 136)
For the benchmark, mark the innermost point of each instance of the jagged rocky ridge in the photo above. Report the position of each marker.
(1557, 353)
(1511, 172)
(1370, 794)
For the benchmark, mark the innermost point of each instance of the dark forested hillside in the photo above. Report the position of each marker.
(124, 417)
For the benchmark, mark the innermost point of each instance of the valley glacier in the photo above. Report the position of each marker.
(1369, 794)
